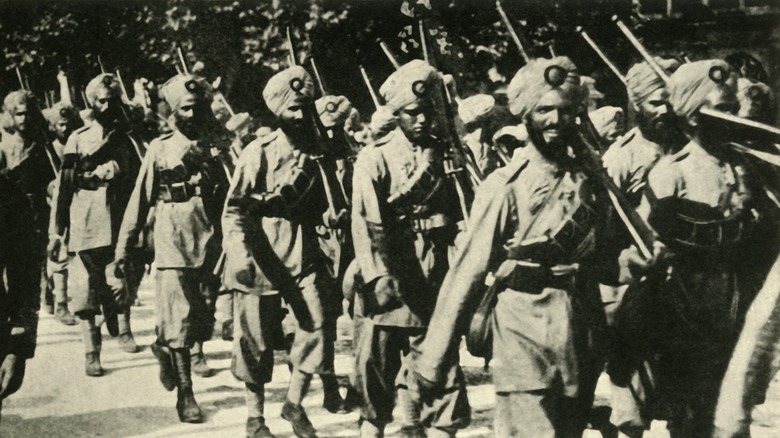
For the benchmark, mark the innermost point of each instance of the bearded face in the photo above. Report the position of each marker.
(552, 121)
(656, 119)
(191, 116)
(106, 107)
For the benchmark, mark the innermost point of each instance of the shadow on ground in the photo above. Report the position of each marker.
(122, 422)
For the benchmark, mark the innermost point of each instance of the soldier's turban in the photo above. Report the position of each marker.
(413, 82)
(642, 80)
(184, 85)
(540, 76)
(690, 85)
(102, 81)
(238, 121)
(753, 96)
(607, 119)
(59, 112)
(293, 86)
(475, 108)
(590, 86)
(333, 110)
(382, 121)
(17, 98)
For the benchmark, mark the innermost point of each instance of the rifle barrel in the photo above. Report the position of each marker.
(641, 49)
(21, 78)
(291, 48)
(183, 60)
(601, 54)
(317, 76)
(512, 32)
(389, 54)
(371, 91)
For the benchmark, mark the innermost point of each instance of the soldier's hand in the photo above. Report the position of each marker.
(7, 370)
(387, 293)
(634, 266)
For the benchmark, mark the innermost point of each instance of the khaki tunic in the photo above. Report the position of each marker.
(95, 215)
(532, 328)
(417, 258)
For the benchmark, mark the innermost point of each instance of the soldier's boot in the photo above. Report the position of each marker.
(167, 373)
(301, 425)
(199, 365)
(332, 400)
(59, 286)
(255, 421)
(186, 406)
(371, 430)
(93, 341)
(126, 339)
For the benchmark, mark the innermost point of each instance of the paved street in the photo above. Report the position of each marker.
(58, 400)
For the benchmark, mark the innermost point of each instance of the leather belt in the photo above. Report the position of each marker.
(429, 223)
(533, 278)
(178, 192)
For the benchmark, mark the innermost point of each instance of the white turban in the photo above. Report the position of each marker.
(690, 85)
(180, 86)
(333, 110)
(531, 83)
(105, 81)
(292, 86)
(410, 83)
(642, 80)
(475, 108)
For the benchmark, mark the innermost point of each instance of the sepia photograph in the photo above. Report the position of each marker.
(390, 218)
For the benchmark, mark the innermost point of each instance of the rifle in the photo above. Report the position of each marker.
(388, 53)
(641, 234)
(601, 54)
(452, 138)
(374, 97)
(512, 32)
(739, 125)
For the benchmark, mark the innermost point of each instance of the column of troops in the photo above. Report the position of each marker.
(558, 244)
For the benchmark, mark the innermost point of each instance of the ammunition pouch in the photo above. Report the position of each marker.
(685, 224)
(571, 240)
(420, 187)
(288, 197)
(178, 192)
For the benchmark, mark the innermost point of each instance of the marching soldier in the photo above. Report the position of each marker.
(63, 120)
(187, 187)
(275, 203)
(404, 220)
(628, 162)
(533, 224)
(708, 208)
(25, 173)
(476, 112)
(334, 234)
(100, 163)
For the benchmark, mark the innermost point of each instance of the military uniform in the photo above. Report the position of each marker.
(533, 224)
(408, 239)
(25, 174)
(186, 187)
(100, 164)
(709, 209)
